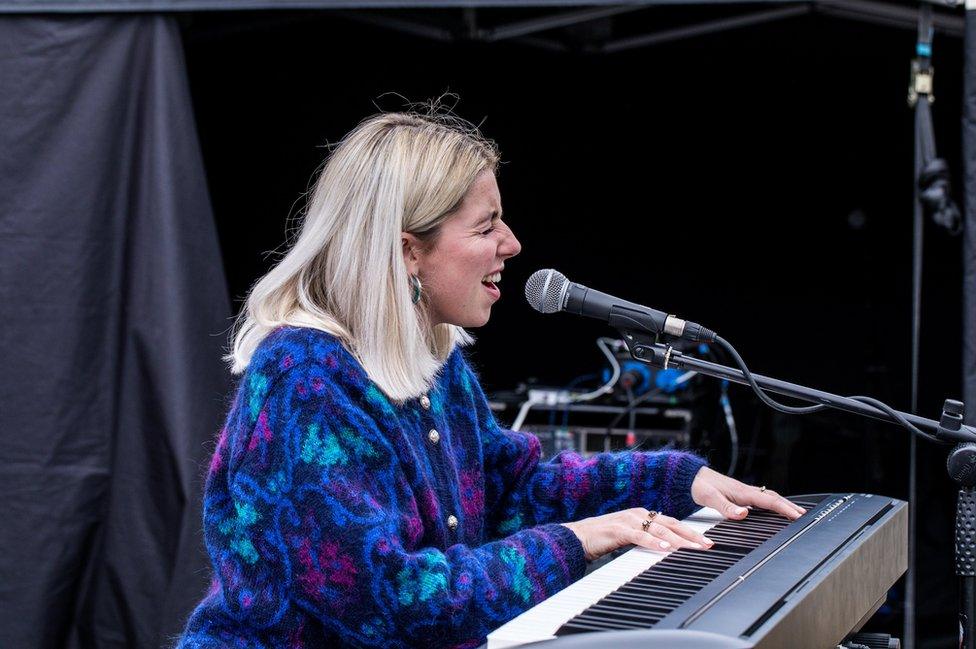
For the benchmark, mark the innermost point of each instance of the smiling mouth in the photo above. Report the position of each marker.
(491, 280)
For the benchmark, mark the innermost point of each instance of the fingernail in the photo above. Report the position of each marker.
(740, 510)
(665, 545)
(697, 546)
(802, 510)
(709, 542)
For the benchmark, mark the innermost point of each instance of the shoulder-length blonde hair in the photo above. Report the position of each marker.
(345, 274)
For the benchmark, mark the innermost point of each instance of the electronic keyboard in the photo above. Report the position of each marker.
(767, 582)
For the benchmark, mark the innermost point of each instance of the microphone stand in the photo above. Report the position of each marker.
(961, 464)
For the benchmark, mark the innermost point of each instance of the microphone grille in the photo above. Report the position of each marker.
(545, 289)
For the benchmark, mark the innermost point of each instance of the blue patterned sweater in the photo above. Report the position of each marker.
(334, 516)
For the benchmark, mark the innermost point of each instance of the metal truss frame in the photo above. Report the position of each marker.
(525, 31)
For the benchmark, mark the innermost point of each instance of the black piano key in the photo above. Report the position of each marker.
(627, 614)
(765, 514)
(645, 601)
(705, 573)
(717, 552)
(592, 622)
(758, 531)
(646, 580)
(626, 611)
(806, 503)
(674, 579)
(758, 520)
(683, 568)
(745, 544)
(715, 563)
(699, 563)
(638, 591)
(601, 617)
(661, 591)
(678, 571)
(668, 589)
(751, 533)
(702, 570)
(702, 555)
(586, 622)
(648, 596)
(729, 551)
(734, 534)
(730, 542)
(620, 622)
(579, 624)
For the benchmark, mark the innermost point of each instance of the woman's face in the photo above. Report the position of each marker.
(459, 272)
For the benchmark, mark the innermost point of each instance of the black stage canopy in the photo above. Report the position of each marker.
(116, 304)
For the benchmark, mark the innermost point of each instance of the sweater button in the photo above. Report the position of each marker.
(425, 402)
(452, 522)
(434, 436)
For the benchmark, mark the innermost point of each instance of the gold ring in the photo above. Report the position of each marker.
(762, 489)
(650, 519)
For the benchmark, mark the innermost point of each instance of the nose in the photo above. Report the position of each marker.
(510, 246)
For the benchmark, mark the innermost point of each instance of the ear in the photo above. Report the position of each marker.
(412, 247)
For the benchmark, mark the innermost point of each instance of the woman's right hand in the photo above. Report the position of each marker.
(602, 534)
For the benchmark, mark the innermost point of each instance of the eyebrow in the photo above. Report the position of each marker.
(488, 218)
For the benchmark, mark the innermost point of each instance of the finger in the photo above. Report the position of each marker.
(649, 541)
(729, 509)
(717, 500)
(681, 536)
(772, 501)
(662, 532)
(646, 528)
(683, 530)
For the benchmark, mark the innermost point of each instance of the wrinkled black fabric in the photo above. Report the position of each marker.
(87, 6)
(969, 221)
(115, 311)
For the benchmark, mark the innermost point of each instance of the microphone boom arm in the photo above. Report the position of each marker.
(645, 349)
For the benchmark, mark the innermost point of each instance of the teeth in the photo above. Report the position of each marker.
(494, 279)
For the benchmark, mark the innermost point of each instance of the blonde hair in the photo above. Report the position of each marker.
(345, 273)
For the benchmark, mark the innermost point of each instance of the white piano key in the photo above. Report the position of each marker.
(542, 621)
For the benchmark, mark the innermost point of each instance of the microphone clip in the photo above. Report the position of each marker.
(647, 349)
(953, 413)
(667, 355)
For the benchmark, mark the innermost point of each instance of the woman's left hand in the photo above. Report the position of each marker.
(731, 498)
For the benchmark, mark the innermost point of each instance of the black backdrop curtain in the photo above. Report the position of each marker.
(115, 311)
(969, 220)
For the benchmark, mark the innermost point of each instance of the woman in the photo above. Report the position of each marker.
(361, 491)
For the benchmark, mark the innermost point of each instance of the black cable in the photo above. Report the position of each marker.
(765, 398)
(894, 414)
(631, 421)
(802, 410)
(630, 407)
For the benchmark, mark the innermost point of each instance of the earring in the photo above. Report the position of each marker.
(416, 287)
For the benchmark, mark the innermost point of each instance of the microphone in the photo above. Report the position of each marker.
(548, 291)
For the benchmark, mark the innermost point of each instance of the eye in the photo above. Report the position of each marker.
(488, 231)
